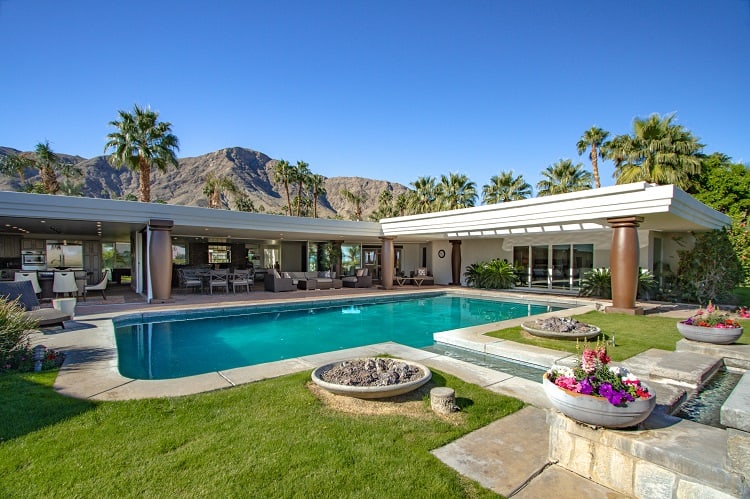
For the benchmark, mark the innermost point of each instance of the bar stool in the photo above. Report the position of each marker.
(29, 276)
(65, 282)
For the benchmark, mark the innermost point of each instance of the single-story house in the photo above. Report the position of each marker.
(554, 239)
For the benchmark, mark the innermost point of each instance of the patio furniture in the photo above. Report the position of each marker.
(189, 279)
(24, 290)
(274, 282)
(242, 278)
(64, 282)
(29, 276)
(422, 275)
(80, 277)
(218, 279)
(101, 285)
(360, 280)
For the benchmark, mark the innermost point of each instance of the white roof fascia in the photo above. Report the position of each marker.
(18, 204)
(637, 199)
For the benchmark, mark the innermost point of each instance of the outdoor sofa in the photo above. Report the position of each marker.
(360, 280)
(425, 274)
(289, 281)
(24, 290)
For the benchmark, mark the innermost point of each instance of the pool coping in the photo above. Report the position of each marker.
(90, 368)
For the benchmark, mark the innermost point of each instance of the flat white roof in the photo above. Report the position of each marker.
(664, 208)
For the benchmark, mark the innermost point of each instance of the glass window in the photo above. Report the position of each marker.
(521, 264)
(179, 254)
(351, 258)
(219, 254)
(540, 266)
(583, 261)
(561, 276)
(116, 255)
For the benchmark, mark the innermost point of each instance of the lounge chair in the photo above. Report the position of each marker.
(100, 286)
(25, 291)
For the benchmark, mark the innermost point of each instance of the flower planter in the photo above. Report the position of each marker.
(716, 335)
(597, 411)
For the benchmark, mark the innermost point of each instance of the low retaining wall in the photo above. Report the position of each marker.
(668, 458)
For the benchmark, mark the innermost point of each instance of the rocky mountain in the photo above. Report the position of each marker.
(251, 171)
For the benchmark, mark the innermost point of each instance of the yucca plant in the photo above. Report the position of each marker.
(15, 327)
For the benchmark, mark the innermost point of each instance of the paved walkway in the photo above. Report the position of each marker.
(508, 456)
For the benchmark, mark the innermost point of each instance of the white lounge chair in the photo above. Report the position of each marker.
(100, 286)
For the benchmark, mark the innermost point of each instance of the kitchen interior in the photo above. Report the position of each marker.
(43, 256)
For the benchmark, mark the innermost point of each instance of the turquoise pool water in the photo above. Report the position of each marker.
(173, 345)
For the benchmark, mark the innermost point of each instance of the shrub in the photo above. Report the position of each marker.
(597, 283)
(15, 326)
(495, 274)
(711, 270)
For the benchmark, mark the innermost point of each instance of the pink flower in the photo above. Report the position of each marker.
(568, 383)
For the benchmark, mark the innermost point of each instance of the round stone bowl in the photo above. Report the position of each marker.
(530, 328)
(370, 392)
(715, 335)
(597, 411)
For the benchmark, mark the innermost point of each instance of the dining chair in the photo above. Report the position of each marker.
(241, 278)
(29, 276)
(64, 282)
(218, 279)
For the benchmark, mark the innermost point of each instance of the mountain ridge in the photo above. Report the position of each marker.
(250, 170)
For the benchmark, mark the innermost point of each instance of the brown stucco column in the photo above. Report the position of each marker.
(456, 263)
(160, 258)
(388, 263)
(624, 264)
(336, 263)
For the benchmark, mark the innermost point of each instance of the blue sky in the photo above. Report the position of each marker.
(382, 89)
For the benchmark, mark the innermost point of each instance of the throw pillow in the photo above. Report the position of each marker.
(360, 272)
(276, 274)
(287, 275)
(421, 271)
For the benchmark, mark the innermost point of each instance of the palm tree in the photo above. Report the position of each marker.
(659, 152)
(456, 191)
(214, 188)
(504, 187)
(282, 174)
(562, 177)
(16, 164)
(47, 161)
(242, 202)
(594, 138)
(425, 194)
(300, 174)
(316, 183)
(402, 203)
(356, 200)
(141, 142)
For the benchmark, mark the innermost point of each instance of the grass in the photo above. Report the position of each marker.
(742, 296)
(633, 334)
(267, 439)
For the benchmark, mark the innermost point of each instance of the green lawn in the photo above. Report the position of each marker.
(267, 439)
(632, 334)
(742, 296)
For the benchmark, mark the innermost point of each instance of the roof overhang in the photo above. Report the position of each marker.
(663, 208)
(77, 216)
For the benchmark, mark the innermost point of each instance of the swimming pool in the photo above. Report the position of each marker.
(174, 345)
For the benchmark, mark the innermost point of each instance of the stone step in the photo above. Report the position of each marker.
(686, 368)
(735, 355)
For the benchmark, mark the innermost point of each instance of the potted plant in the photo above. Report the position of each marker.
(594, 393)
(710, 326)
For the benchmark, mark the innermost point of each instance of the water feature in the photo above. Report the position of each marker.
(705, 405)
(524, 370)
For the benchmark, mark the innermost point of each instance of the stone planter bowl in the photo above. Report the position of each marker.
(370, 392)
(715, 335)
(530, 327)
(597, 411)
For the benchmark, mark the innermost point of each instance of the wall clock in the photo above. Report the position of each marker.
(441, 253)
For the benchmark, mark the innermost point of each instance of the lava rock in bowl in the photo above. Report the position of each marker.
(371, 377)
(565, 328)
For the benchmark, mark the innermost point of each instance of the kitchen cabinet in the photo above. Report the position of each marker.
(34, 244)
(10, 246)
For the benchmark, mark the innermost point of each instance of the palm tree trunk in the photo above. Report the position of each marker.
(49, 180)
(315, 203)
(145, 178)
(288, 199)
(595, 165)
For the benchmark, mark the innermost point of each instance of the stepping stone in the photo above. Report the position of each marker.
(686, 368)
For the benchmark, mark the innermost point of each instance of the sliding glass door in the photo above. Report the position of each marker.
(559, 266)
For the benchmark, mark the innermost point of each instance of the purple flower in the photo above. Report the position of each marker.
(615, 397)
(586, 387)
